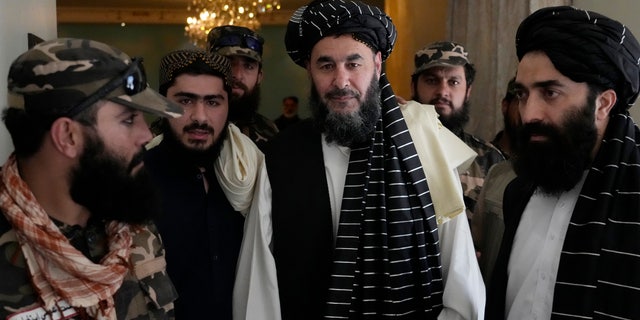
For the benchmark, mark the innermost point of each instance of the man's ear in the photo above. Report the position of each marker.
(378, 63)
(604, 103)
(260, 74)
(413, 87)
(469, 92)
(66, 137)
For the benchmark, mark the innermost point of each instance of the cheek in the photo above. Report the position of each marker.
(177, 124)
(218, 117)
(460, 95)
(322, 85)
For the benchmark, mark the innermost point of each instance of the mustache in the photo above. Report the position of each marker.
(340, 93)
(236, 83)
(440, 101)
(198, 126)
(538, 128)
(137, 159)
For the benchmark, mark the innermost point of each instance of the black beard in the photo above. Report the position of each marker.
(102, 183)
(510, 128)
(243, 108)
(557, 164)
(197, 157)
(457, 120)
(347, 129)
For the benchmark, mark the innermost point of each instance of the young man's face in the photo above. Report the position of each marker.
(109, 178)
(444, 87)
(246, 74)
(124, 133)
(562, 122)
(206, 107)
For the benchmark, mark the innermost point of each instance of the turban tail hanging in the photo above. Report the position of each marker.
(387, 257)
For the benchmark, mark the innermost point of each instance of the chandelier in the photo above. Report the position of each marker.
(208, 14)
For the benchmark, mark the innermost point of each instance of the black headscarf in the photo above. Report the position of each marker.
(386, 263)
(598, 274)
(586, 47)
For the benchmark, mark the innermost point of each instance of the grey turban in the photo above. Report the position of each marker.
(320, 18)
(586, 47)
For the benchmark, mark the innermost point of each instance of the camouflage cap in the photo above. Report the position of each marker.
(441, 53)
(61, 77)
(235, 41)
(178, 62)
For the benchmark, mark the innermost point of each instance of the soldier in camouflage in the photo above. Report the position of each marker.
(443, 77)
(244, 48)
(76, 241)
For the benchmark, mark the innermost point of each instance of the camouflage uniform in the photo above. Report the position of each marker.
(473, 178)
(240, 41)
(258, 128)
(451, 54)
(61, 78)
(146, 293)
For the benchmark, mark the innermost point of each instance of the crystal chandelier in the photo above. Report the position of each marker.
(208, 14)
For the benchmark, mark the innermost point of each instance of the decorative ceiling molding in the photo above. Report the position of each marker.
(146, 16)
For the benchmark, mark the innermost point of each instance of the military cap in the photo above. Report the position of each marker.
(440, 54)
(64, 76)
(235, 41)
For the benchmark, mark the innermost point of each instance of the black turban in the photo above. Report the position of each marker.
(319, 19)
(586, 47)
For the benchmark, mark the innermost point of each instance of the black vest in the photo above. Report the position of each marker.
(201, 232)
(302, 224)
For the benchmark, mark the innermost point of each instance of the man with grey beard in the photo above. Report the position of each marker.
(352, 215)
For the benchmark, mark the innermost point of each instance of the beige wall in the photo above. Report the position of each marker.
(17, 18)
(625, 11)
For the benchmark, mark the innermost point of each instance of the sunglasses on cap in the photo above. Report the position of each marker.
(133, 81)
(238, 40)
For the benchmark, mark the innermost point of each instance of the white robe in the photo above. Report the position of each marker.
(256, 287)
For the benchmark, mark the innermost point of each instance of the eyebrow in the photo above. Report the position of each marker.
(351, 57)
(128, 111)
(539, 84)
(195, 96)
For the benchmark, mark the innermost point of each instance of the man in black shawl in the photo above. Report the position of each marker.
(346, 222)
(571, 247)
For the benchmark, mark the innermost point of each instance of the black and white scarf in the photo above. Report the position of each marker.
(386, 263)
(387, 257)
(599, 271)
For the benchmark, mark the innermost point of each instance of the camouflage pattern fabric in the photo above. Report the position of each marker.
(440, 54)
(259, 129)
(146, 293)
(247, 39)
(473, 178)
(71, 71)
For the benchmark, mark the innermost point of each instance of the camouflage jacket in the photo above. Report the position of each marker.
(473, 178)
(146, 293)
(259, 128)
